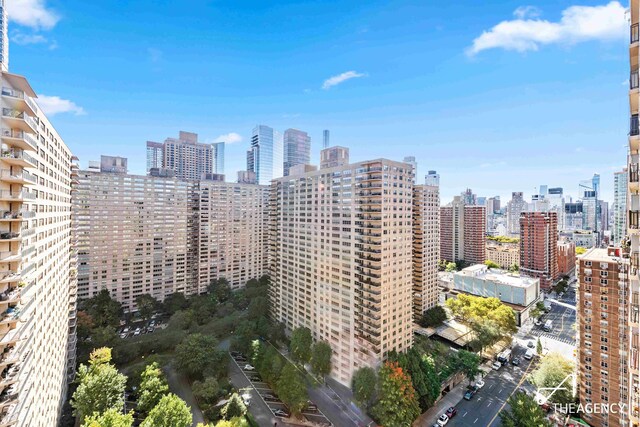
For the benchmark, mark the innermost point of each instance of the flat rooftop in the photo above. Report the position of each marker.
(480, 271)
(602, 254)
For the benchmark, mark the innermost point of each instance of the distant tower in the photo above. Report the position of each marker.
(414, 165)
(432, 178)
(325, 139)
(4, 45)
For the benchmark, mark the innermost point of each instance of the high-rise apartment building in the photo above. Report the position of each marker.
(333, 157)
(266, 155)
(232, 232)
(469, 197)
(414, 165)
(566, 257)
(539, 246)
(463, 232)
(4, 33)
(620, 180)
(297, 149)
(426, 246)
(602, 336)
(325, 139)
(159, 235)
(515, 207)
(37, 280)
(186, 157)
(632, 242)
(155, 155)
(341, 259)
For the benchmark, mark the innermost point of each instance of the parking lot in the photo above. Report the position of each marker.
(270, 398)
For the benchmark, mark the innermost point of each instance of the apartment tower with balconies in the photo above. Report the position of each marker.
(340, 259)
(539, 246)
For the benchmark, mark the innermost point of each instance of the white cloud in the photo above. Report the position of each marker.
(340, 78)
(22, 39)
(229, 138)
(578, 24)
(527, 12)
(32, 13)
(52, 105)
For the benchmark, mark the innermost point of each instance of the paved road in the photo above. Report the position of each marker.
(181, 387)
(564, 319)
(483, 408)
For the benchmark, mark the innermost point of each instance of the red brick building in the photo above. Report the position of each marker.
(463, 232)
(566, 257)
(539, 246)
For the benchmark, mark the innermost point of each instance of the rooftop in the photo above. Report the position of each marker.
(604, 255)
(502, 277)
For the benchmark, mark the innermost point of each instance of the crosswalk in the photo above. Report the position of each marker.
(566, 340)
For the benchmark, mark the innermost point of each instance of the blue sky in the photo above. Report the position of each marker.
(540, 98)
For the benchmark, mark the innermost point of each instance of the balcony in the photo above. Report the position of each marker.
(10, 236)
(10, 277)
(10, 375)
(19, 139)
(19, 100)
(10, 256)
(634, 35)
(11, 315)
(633, 177)
(18, 158)
(19, 120)
(17, 177)
(16, 196)
(20, 215)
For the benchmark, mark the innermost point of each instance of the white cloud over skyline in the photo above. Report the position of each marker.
(229, 138)
(52, 105)
(341, 78)
(32, 13)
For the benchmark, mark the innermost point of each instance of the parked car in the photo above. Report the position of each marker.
(443, 420)
(469, 394)
(496, 365)
(479, 384)
(451, 412)
(311, 406)
(235, 354)
(270, 398)
(150, 329)
(538, 322)
(283, 413)
(248, 367)
(515, 361)
(136, 332)
(246, 398)
(124, 335)
(240, 358)
(529, 354)
(530, 344)
(255, 378)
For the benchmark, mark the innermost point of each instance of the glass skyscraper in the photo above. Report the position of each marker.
(218, 157)
(266, 154)
(297, 149)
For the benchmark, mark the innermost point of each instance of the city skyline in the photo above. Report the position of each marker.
(503, 101)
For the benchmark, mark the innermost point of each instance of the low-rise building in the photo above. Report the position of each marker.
(503, 254)
(566, 257)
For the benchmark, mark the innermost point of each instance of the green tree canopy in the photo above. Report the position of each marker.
(321, 353)
(397, 404)
(433, 317)
(220, 289)
(451, 267)
(153, 386)
(270, 365)
(175, 302)
(491, 264)
(101, 386)
(233, 408)
(514, 268)
(291, 389)
(147, 305)
(258, 307)
(469, 364)
(198, 355)
(523, 412)
(103, 310)
(245, 334)
(552, 370)
(110, 418)
(364, 385)
(300, 345)
(171, 411)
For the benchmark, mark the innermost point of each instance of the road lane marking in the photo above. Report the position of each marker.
(488, 404)
(522, 380)
(475, 421)
(464, 415)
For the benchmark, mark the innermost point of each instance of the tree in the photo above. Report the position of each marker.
(258, 307)
(110, 418)
(321, 353)
(234, 422)
(220, 289)
(244, 336)
(451, 267)
(551, 372)
(364, 385)
(539, 347)
(207, 391)
(101, 386)
(153, 386)
(514, 268)
(486, 334)
(277, 334)
(235, 407)
(300, 345)
(85, 325)
(524, 411)
(175, 302)
(103, 310)
(197, 354)
(270, 365)
(171, 411)
(469, 364)
(147, 305)
(424, 378)
(397, 405)
(433, 317)
(580, 250)
(491, 264)
(291, 389)
(537, 311)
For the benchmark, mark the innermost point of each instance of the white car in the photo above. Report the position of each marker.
(246, 398)
(248, 367)
(479, 384)
(496, 365)
(443, 420)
